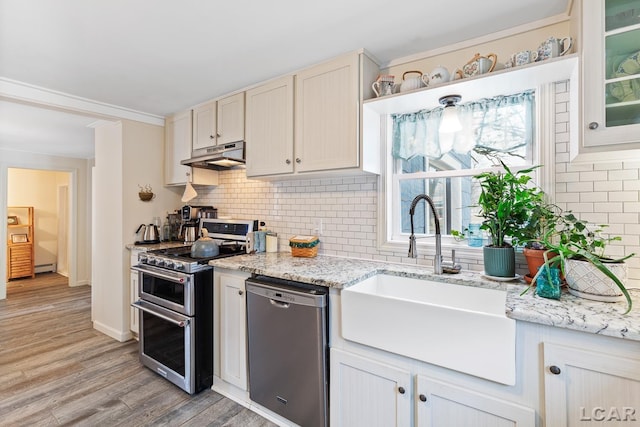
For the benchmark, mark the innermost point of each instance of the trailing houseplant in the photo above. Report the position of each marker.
(542, 218)
(506, 201)
(577, 241)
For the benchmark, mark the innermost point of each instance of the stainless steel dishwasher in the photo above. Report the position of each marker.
(288, 351)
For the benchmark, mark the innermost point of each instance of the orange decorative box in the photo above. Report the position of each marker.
(304, 246)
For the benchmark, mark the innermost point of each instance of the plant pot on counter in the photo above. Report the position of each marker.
(586, 281)
(535, 259)
(499, 261)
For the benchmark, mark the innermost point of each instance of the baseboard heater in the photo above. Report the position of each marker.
(45, 268)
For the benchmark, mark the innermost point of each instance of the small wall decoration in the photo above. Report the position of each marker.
(12, 220)
(19, 238)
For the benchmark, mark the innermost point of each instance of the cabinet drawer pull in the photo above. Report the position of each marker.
(593, 125)
(401, 390)
(240, 293)
(288, 161)
(422, 398)
(554, 370)
(212, 137)
(298, 160)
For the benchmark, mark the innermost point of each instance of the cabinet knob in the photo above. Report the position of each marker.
(593, 125)
(288, 161)
(218, 135)
(240, 292)
(401, 390)
(212, 137)
(298, 160)
(554, 370)
(422, 398)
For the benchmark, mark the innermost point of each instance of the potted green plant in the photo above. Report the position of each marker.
(579, 249)
(506, 201)
(541, 218)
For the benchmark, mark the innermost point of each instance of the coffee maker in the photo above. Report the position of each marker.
(191, 220)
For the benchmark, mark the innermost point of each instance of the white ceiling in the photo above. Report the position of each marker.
(163, 56)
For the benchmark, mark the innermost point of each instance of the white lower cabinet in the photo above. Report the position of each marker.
(133, 292)
(586, 388)
(439, 404)
(367, 393)
(232, 324)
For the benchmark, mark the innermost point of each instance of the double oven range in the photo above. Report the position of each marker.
(176, 306)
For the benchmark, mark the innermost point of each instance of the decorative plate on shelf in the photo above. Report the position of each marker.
(12, 220)
(627, 90)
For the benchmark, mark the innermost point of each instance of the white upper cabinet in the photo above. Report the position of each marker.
(218, 122)
(269, 130)
(177, 147)
(204, 126)
(610, 122)
(327, 116)
(327, 122)
(230, 119)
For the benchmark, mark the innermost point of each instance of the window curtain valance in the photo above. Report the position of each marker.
(502, 123)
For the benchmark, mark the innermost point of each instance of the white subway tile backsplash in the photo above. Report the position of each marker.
(610, 186)
(624, 175)
(594, 176)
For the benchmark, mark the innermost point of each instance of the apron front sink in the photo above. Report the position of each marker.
(459, 327)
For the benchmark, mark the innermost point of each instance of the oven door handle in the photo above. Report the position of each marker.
(158, 272)
(140, 306)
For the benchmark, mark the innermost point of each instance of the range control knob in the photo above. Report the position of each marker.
(178, 266)
(142, 257)
(169, 264)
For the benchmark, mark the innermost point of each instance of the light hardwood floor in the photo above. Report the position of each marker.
(55, 369)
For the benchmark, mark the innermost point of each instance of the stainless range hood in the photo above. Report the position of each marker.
(218, 157)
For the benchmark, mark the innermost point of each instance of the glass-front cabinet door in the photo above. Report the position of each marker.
(611, 72)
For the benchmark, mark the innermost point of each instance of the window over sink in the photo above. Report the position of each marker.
(421, 159)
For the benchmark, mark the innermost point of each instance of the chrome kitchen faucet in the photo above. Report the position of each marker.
(413, 253)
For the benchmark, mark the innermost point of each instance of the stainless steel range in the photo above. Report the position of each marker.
(176, 306)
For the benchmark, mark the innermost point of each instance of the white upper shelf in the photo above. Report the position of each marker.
(503, 82)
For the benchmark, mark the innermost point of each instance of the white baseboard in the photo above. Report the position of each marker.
(45, 268)
(113, 333)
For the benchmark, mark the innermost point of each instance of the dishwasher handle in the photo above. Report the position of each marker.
(278, 304)
(286, 295)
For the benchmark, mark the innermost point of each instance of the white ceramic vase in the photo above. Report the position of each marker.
(586, 281)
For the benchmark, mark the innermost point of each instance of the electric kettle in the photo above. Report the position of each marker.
(150, 233)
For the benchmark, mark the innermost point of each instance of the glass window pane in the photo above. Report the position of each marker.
(621, 13)
(452, 198)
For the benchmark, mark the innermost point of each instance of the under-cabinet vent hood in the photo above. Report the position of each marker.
(218, 157)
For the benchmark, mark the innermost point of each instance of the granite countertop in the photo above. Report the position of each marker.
(569, 312)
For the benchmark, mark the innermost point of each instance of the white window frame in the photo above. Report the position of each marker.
(543, 154)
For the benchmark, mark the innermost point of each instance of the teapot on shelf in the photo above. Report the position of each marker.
(480, 65)
(440, 75)
(411, 83)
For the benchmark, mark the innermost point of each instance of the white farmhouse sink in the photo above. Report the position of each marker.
(459, 327)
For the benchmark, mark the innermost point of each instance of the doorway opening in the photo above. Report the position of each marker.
(48, 192)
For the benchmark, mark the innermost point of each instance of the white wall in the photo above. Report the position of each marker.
(127, 154)
(80, 187)
(39, 188)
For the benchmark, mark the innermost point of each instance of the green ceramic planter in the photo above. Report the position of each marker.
(499, 262)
